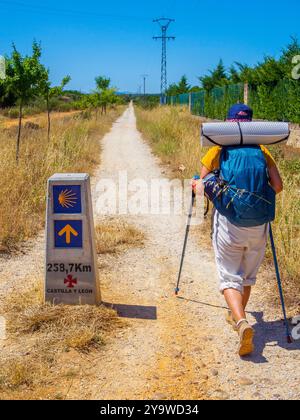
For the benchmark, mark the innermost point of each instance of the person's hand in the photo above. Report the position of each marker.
(197, 185)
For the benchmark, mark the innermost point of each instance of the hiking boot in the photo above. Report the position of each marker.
(246, 334)
(230, 320)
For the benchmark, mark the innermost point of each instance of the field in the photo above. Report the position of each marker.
(175, 136)
(74, 147)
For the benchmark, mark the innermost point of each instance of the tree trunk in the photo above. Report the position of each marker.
(97, 114)
(49, 120)
(19, 132)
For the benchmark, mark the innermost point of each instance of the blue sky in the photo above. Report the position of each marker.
(114, 38)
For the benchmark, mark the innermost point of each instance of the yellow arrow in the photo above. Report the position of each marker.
(68, 230)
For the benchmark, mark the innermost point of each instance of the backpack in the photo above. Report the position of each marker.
(246, 199)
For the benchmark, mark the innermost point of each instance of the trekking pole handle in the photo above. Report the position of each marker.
(195, 178)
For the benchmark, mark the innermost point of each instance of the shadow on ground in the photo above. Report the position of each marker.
(134, 311)
(267, 333)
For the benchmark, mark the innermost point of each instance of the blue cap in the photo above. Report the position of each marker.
(240, 112)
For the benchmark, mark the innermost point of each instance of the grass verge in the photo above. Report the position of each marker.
(47, 346)
(74, 147)
(45, 341)
(115, 235)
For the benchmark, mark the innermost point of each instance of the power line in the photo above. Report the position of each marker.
(164, 24)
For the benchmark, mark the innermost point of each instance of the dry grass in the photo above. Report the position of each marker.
(47, 345)
(74, 147)
(40, 338)
(287, 226)
(116, 235)
(175, 136)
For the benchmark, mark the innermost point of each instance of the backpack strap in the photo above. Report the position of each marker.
(281, 141)
(212, 141)
(241, 132)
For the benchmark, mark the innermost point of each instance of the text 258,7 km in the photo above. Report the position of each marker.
(69, 268)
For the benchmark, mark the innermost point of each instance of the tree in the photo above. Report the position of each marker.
(234, 75)
(107, 97)
(106, 94)
(48, 92)
(183, 86)
(286, 60)
(7, 96)
(93, 101)
(172, 90)
(23, 78)
(216, 78)
(102, 83)
(247, 74)
(180, 88)
(195, 89)
(2, 91)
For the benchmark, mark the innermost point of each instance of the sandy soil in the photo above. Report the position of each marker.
(173, 348)
(40, 119)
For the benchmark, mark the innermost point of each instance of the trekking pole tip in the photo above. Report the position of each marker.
(177, 291)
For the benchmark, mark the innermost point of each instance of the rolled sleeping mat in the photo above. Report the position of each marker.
(244, 133)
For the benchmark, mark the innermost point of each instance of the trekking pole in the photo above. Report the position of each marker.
(177, 290)
(288, 332)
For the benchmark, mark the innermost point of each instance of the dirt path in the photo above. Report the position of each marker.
(173, 348)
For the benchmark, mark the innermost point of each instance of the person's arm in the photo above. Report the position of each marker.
(198, 186)
(204, 172)
(275, 179)
(210, 162)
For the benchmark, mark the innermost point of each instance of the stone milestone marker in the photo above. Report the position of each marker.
(72, 275)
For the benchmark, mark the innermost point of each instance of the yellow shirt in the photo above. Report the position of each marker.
(212, 158)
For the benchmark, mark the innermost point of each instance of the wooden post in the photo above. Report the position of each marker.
(190, 102)
(246, 93)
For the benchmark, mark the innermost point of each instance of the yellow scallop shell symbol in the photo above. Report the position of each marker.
(67, 199)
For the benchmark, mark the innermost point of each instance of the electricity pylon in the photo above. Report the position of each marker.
(164, 24)
(144, 76)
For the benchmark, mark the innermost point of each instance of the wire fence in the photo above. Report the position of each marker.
(279, 102)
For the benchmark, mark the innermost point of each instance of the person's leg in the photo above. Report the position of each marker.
(253, 258)
(230, 245)
(246, 296)
(235, 301)
(229, 315)
(229, 256)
